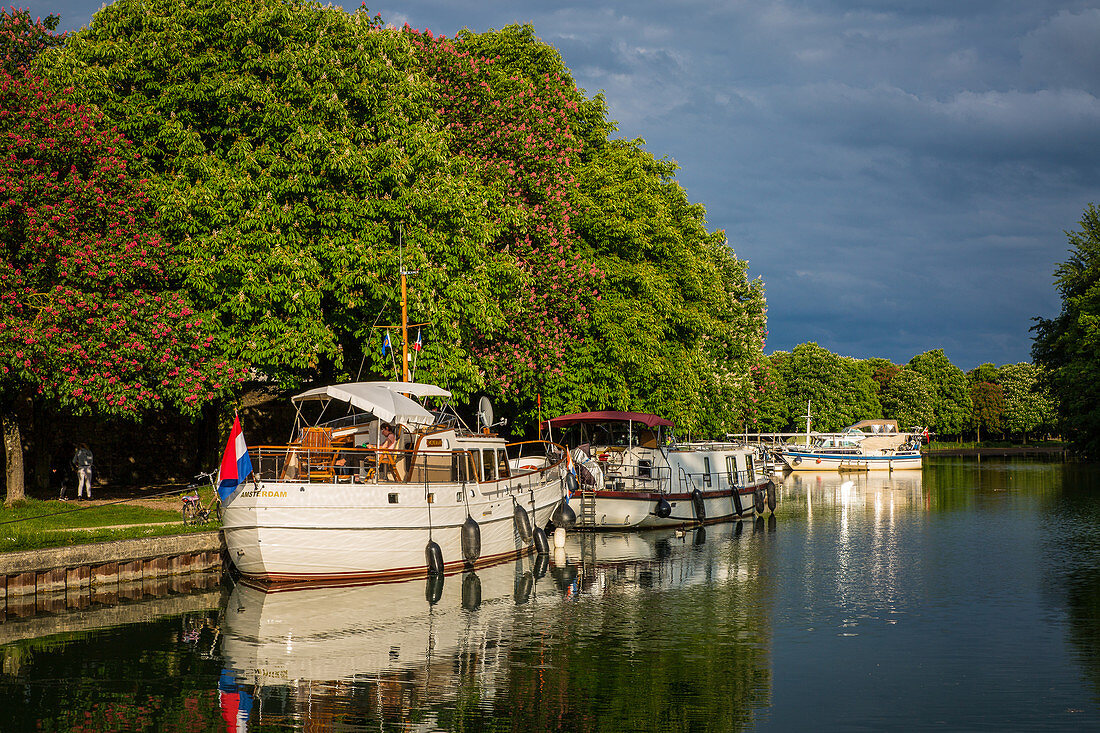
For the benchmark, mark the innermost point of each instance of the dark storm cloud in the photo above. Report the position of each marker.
(899, 173)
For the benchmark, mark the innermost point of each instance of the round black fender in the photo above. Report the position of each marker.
(471, 591)
(699, 505)
(571, 483)
(433, 558)
(542, 564)
(771, 496)
(664, 509)
(738, 508)
(521, 593)
(471, 540)
(433, 589)
(564, 516)
(758, 497)
(542, 545)
(522, 522)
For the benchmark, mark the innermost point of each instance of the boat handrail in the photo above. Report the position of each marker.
(370, 464)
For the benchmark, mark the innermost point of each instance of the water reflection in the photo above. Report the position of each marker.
(521, 639)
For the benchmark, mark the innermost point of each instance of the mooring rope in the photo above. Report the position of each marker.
(96, 506)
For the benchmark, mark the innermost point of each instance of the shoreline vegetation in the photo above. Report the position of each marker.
(155, 511)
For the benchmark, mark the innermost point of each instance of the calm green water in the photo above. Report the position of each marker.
(963, 597)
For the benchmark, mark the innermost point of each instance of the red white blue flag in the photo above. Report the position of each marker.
(236, 465)
(418, 343)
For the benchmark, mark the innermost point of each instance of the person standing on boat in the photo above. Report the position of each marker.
(82, 462)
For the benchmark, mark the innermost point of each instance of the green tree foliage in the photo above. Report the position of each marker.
(988, 408)
(840, 389)
(984, 373)
(908, 398)
(1068, 346)
(767, 406)
(1029, 407)
(679, 326)
(883, 372)
(951, 406)
(290, 143)
(90, 317)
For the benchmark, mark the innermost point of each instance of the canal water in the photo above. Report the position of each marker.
(962, 597)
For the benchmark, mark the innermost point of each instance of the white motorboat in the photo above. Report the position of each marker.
(335, 505)
(632, 476)
(868, 445)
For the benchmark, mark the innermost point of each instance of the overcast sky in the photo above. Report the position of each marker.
(900, 173)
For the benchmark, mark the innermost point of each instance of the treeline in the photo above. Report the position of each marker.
(1011, 401)
(199, 197)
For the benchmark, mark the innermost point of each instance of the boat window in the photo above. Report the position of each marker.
(706, 471)
(461, 467)
(488, 460)
(502, 464)
(393, 498)
(731, 469)
(750, 468)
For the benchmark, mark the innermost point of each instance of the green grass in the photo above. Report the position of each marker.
(952, 445)
(34, 524)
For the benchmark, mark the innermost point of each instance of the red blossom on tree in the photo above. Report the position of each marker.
(516, 125)
(90, 317)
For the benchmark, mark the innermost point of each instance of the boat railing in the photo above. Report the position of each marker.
(345, 464)
(638, 478)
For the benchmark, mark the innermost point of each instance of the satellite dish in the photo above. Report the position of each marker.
(484, 412)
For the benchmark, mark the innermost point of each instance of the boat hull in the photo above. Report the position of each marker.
(637, 509)
(285, 531)
(811, 461)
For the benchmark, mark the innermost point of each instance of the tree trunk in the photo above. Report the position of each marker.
(13, 454)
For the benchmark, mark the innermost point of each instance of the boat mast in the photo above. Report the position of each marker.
(404, 328)
(404, 305)
(807, 416)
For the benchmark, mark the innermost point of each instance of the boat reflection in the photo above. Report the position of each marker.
(593, 564)
(884, 494)
(415, 651)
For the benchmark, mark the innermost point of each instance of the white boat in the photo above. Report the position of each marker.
(632, 477)
(868, 445)
(330, 507)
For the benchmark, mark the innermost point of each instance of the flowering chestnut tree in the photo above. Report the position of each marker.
(90, 316)
(511, 117)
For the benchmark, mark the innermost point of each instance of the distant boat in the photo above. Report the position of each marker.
(331, 507)
(868, 445)
(632, 477)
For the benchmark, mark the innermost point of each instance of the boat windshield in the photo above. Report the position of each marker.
(612, 435)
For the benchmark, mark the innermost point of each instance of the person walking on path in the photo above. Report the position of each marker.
(82, 462)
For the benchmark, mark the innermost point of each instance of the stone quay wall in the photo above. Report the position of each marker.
(82, 570)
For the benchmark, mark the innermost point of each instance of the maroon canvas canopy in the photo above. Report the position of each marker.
(650, 421)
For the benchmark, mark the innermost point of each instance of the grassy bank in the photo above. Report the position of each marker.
(972, 445)
(35, 524)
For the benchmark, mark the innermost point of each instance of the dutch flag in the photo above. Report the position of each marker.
(236, 465)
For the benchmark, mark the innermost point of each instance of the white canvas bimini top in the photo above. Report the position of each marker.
(384, 400)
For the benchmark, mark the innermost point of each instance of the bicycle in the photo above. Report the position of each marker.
(193, 510)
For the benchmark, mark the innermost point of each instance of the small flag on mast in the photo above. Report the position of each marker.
(418, 343)
(386, 346)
